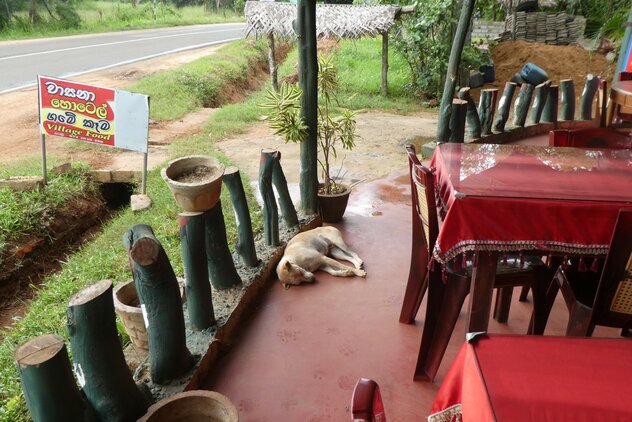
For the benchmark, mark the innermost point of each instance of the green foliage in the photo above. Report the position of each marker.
(596, 12)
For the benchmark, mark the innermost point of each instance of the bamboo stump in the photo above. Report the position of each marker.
(270, 211)
(98, 357)
(198, 288)
(503, 107)
(486, 110)
(549, 114)
(50, 391)
(221, 268)
(457, 121)
(567, 89)
(159, 295)
(588, 95)
(285, 200)
(540, 96)
(245, 246)
(521, 106)
(473, 120)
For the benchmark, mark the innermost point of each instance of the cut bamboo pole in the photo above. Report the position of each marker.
(472, 118)
(384, 63)
(98, 357)
(285, 200)
(161, 304)
(487, 109)
(221, 268)
(270, 211)
(521, 106)
(539, 100)
(588, 96)
(50, 391)
(549, 114)
(198, 288)
(457, 121)
(245, 246)
(503, 107)
(272, 62)
(567, 90)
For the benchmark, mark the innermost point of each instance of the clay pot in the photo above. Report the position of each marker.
(194, 196)
(193, 406)
(332, 207)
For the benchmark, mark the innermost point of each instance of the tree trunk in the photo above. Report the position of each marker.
(305, 28)
(588, 96)
(473, 120)
(457, 121)
(272, 62)
(567, 88)
(50, 391)
(503, 107)
(385, 63)
(270, 211)
(198, 287)
(549, 114)
(285, 200)
(245, 246)
(541, 94)
(221, 268)
(98, 357)
(486, 109)
(159, 296)
(521, 106)
(453, 66)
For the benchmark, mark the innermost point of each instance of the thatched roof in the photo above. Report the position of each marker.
(332, 20)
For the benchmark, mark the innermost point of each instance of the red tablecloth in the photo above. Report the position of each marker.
(518, 197)
(543, 379)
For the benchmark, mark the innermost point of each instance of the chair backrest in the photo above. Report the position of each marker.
(613, 301)
(590, 138)
(423, 197)
(366, 402)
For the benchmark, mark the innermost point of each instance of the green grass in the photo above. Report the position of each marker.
(105, 257)
(104, 16)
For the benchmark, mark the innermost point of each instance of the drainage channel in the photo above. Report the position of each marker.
(28, 262)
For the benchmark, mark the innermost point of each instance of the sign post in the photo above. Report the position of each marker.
(93, 114)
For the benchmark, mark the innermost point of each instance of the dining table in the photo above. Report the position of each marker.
(537, 379)
(515, 199)
(620, 98)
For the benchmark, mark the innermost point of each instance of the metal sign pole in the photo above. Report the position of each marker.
(144, 180)
(44, 175)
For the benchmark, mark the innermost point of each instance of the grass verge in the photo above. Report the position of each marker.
(105, 257)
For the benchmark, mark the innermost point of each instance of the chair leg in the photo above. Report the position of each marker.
(524, 293)
(503, 304)
(415, 291)
(543, 300)
(579, 322)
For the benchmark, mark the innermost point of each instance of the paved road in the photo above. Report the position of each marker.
(22, 61)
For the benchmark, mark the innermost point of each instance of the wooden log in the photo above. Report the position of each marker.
(473, 121)
(539, 100)
(305, 28)
(487, 109)
(198, 288)
(567, 90)
(445, 108)
(549, 114)
(285, 200)
(272, 62)
(159, 296)
(503, 107)
(221, 268)
(521, 106)
(50, 391)
(457, 121)
(245, 246)
(385, 63)
(588, 96)
(98, 357)
(270, 211)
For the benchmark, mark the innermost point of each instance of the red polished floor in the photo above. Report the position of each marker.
(304, 349)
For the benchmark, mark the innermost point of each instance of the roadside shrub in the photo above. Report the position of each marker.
(68, 17)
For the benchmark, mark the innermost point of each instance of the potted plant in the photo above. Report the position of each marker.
(336, 128)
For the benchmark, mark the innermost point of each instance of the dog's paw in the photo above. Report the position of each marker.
(360, 273)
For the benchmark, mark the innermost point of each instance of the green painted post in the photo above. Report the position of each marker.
(159, 296)
(458, 42)
(549, 114)
(270, 211)
(198, 288)
(567, 90)
(285, 200)
(521, 106)
(457, 121)
(588, 96)
(539, 100)
(245, 246)
(305, 28)
(473, 120)
(487, 109)
(50, 390)
(504, 104)
(221, 268)
(98, 358)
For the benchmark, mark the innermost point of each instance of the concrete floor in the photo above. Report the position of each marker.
(304, 348)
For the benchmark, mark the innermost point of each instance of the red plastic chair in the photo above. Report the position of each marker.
(590, 138)
(366, 402)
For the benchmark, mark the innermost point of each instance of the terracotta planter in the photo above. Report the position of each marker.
(193, 406)
(127, 307)
(198, 196)
(332, 207)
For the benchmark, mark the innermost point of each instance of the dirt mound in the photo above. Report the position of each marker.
(559, 61)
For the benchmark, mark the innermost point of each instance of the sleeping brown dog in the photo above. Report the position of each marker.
(308, 252)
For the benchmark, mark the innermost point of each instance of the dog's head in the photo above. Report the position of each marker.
(291, 274)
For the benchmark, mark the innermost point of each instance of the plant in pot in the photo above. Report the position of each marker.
(336, 128)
